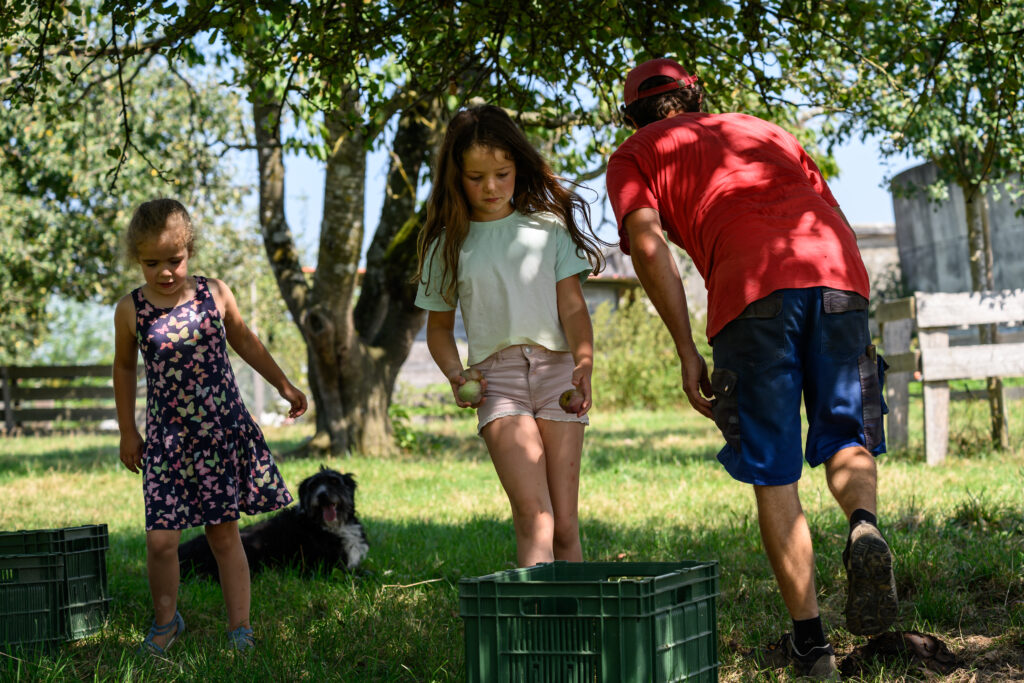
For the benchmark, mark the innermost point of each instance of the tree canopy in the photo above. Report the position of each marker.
(940, 80)
(70, 175)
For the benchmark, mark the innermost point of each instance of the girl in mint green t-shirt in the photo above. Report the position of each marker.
(503, 242)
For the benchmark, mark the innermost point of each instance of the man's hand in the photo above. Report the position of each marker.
(696, 382)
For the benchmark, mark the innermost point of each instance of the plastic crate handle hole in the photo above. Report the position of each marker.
(549, 606)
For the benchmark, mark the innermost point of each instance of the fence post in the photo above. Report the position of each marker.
(8, 399)
(936, 401)
(896, 340)
(895, 318)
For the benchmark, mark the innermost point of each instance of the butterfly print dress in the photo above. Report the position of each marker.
(205, 459)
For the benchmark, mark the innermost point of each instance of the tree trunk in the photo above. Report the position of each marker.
(979, 244)
(354, 352)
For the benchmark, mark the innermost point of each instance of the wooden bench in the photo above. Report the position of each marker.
(42, 395)
(934, 315)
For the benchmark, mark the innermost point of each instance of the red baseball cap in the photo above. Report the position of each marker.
(656, 67)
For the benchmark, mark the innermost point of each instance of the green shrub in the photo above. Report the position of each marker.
(635, 362)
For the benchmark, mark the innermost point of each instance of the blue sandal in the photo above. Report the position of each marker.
(151, 648)
(241, 639)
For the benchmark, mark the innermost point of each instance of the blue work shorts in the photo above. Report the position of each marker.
(812, 342)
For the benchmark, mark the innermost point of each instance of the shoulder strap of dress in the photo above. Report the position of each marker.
(203, 291)
(204, 294)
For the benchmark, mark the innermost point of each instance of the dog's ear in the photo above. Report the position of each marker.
(303, 487)
(322, 468)
(350, 479)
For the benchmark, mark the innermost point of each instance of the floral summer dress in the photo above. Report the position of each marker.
(205, 459)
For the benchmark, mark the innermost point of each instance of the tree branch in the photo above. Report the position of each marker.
(40, 58)
(128, 144)
(124, 109)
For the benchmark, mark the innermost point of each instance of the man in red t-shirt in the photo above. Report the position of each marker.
(787, 318)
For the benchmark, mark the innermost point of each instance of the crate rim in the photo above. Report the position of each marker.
(680, 565)
(76, 527)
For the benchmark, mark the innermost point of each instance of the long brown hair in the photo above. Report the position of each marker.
(537, 189)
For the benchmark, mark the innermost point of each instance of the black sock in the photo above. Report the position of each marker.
(862, 515)
(808, 634)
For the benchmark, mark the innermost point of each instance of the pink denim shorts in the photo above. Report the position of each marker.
(526, 380)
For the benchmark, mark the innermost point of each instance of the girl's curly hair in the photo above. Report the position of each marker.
(152, 218)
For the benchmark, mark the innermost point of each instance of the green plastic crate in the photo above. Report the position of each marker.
(40, 542)
(84, 599)
(30, 597)
(592, 622)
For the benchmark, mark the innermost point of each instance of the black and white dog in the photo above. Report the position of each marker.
(320, 533)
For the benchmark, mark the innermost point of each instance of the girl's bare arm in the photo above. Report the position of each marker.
(441, 343)
(126, 363)
(249, 347)
(575, 319)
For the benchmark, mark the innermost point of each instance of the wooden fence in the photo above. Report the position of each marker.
(42, 395)
(937, 361)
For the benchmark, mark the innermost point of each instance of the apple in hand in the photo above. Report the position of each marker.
(571, 400)
(471, 391)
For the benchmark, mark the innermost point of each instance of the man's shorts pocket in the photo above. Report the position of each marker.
(756, 336)
(872, 369)
(844, 325)
(725, 406)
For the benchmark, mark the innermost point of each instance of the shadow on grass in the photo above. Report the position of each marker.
(606, 448)
(602, 448)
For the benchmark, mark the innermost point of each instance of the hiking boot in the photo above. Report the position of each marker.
(818, 664)
(871, 605)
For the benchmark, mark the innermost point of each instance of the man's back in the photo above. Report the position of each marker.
(745, 201)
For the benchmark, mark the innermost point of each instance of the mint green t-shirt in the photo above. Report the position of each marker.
(506, 285)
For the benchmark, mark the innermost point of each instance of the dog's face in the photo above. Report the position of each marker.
(328, 497)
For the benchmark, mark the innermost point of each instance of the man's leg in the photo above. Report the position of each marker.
(871, 603)
(758, 383)
(852, 479)
(787, 542)
(843, 398)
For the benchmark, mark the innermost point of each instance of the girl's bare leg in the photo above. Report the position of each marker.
(164, 577)
(563, 448)
(517, 451)
(233, 567)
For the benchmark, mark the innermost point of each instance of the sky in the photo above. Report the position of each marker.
(858, 189)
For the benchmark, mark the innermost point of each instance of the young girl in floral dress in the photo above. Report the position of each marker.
(204, 460)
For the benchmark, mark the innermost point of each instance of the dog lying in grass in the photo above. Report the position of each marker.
(320, 533)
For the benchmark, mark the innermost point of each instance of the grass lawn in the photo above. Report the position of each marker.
(651, 490)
